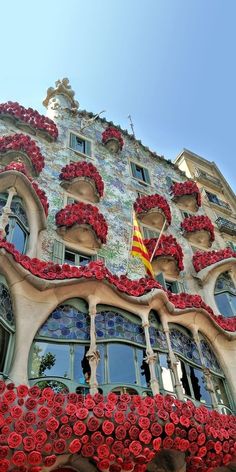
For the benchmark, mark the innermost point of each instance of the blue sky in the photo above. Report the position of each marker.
(168, 63)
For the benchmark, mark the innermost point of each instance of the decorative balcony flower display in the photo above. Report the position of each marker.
(112, 139)
(189, 187)
(23, 143)
(150, 202)
(85, 170)
(204, 259)
(167, 246)
(118, 432)
(83, 214)
(30, 117)
(198, 223)
(20, 167)
(97, 270)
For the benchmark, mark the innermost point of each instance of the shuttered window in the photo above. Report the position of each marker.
(140, 173)
(64, 255)
(79, 144)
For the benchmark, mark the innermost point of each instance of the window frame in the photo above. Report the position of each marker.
(83, 138)
(147, 182)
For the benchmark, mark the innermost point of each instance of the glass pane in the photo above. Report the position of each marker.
(121, 364)
(223, 304)
(4, 340)
(84, 260)
(66, 322)
(144, 372)
(182, 372)
(139, 173)
(166, 373)
(6, 311)
(49, 359)
(18, 209)
(101, 364)
(199, 387)
(18, 237)
(220, 391)
(232, 299)
(209, 357)
(82, 369)
(110, 325)
(69, 258)
(183, 344)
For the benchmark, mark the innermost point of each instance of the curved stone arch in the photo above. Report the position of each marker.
(33, 206)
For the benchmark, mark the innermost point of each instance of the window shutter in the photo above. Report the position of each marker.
(169, 181)
(72, 141)
(180, 287)
(146, 174)
(97, 257)
(133, 168)
(88, 148)
(58, 252)
(160, 278)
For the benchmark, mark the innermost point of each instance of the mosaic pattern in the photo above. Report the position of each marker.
(66, 322)
(6, 311)
(210, 360)
(157, 337)
(110, 324)
(183, 344)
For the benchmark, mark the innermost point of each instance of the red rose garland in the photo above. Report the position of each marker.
(167, 246)
(97, 270)
(112, 133)
(186, 188)
(204, 259)
(83, 213)
(83, 169)
(29, 116)
(147, 202)
(198, 223)
(137, 428)
(21, 142)
(20, 167)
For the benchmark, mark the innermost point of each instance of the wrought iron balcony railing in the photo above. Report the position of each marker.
(217, 201)
(226, 226)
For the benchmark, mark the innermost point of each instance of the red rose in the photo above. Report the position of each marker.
(4, 465)
(79, 428)
(65, 432)
(59, 446)
(156, 429)
(97, 438)
(93, 424)
(87, 450)
(22, 390)
(169, 429)
(135, 447)
(157, 444)
(29, 443)
(108, 427)
(82, 413)
(75, 446)
(19, 458)
(40, 436)
(50, 460)
(144, 422)
(14, 440)
(52, 424)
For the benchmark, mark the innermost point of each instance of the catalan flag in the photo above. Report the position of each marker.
(139, 249)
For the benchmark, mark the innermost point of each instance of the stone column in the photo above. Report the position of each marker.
(173, 361)
(150, 359)
(93, 354)
(206, 371)
(6, 210)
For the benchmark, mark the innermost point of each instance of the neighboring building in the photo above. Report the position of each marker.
(76, 311)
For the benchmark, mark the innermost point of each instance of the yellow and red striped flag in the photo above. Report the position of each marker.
(138, 248)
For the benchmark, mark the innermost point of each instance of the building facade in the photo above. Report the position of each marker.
(78, 314)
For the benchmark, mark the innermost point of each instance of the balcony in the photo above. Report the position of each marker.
(153, 210)
(226, 226)
(83, 180)
(168, 257)
(208, 178)
(186, 195)
(198, 230)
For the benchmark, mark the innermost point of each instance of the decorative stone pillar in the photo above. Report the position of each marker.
(173, 361)
(206, 371)
(150, 359)
(93, 354)
(6, 210)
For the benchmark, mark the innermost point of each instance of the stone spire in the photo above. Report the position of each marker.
(60, 97)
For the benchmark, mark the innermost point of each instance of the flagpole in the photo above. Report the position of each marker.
(130, 242)
(159, 237)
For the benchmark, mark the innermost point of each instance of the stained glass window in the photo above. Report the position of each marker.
(66, 322)
(110, 324)
(157, 336)
(225, 295)
(6, 311)
(210, 360)
(182, 344)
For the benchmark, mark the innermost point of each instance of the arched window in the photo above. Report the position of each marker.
(122, 347)
(225, 295)
(7, 327)
(17, 229)
(60, 347)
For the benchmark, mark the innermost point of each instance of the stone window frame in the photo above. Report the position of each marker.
(83, 138)
(146, 183)
(11, 330)
(59, 247)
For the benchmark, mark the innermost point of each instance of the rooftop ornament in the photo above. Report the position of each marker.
(199, 230)
(81, 222)
(153, 210)
(62, 87)
(168, 256)
(29, 120)
(82, 178)
(112, 139)
(23, 148)
(187, 194)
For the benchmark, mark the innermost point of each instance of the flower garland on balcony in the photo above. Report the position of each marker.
(83, 169)
(204, 259)
(167, 246)
(112, 133)
(20, 167)
(147, 202)
(97, 270)
(186, 188)
(120, 433)
(82, 213)
(198, 223)
(21, 142)
(30, 116)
